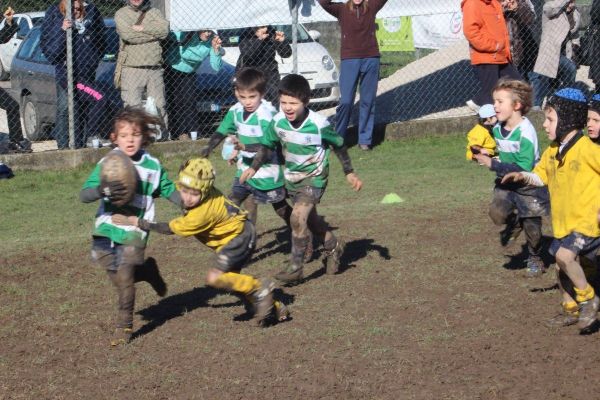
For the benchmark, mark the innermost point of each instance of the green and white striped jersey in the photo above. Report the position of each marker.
(152, 182)
(306, 148)
(251, 132)
(519, 147)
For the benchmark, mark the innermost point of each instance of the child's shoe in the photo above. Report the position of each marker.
(588, 311)
(262, 299)
(535, 267)
(292, 273)
(281, 311)
(331, 262)
(563, 318)
(511, 231)
(121, 337)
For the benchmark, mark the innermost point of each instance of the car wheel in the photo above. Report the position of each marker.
(3, 73)
(31, 119)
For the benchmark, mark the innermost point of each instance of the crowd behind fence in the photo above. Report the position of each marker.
(187, 76)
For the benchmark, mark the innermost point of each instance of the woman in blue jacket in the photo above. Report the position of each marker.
(185, 52)
(88, 29)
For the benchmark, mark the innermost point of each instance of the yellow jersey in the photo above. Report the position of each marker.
(479, 136)
(574, 186)
(214, 222)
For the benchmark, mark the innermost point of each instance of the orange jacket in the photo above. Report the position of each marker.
(485, 29)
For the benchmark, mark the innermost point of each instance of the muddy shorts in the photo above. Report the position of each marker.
(236, 254)
(576, 242)
(240, 191)
(110, 255)
(306, 194)
(529, 202)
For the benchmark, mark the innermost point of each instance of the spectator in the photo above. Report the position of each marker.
(554, 66)
(141, 29)
(594, 72)
(489, 44)
(16, 143)
(360, 64)
(87, 28)
(185, 53)
(520, 21)
(258, 48)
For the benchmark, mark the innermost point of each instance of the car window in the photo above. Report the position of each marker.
(29, 45)
(232, 37)
(23, 27)
(112, 44)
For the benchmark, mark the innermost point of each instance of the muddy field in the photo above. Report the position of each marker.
(427, 306)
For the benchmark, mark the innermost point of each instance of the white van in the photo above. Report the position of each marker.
(314, 61)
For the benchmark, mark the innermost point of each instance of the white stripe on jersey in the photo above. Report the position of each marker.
(305, 158)
(300, 138)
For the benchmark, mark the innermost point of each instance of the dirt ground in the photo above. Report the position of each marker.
(421, 310)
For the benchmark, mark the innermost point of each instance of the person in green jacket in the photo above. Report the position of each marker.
(184, 54)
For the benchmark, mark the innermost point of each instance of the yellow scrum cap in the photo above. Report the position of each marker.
(198, 174)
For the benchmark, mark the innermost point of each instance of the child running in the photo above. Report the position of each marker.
(118, 249)
(518, 206)
(248, 119)
(305, 137)
(222, 226)
(481, 137)
(593, 118)
(570, 168)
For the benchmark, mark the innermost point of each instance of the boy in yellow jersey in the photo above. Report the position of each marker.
(481, 138)
(221, 225)
(570, 168)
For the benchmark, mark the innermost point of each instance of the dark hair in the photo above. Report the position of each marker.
(250, 79)
(295, 86)
(137, 116)
(520, 91)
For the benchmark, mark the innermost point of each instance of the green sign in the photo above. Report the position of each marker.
(395, 34)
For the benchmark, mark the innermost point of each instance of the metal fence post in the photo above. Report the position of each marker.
(294, 7)
(71, 106)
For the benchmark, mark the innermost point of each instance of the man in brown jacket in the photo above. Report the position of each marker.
(141, 28)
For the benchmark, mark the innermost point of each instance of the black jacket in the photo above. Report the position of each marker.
(7, 32)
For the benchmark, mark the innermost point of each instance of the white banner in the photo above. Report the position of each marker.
(190, 15)
(437, 31)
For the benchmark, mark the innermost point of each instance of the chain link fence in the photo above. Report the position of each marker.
(185, 74)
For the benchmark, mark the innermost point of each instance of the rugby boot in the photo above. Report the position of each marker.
(535, 267)
(292, 273)
(121, 337)
(563, 318)
(262, 298)
(588, 311)
(331, 262)
(281, 311)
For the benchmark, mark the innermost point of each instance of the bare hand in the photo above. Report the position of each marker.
(513, 177)
(509, 5)
(483, 159)
(247, 174)
(67, 23)
(8, 14)
(236, 142)
(138, 28)
(354, 181)
(279, 36)
(216, 44)
(120, 219)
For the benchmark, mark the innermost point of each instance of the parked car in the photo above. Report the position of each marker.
(314, 61)
(32, 79)
(7, 50)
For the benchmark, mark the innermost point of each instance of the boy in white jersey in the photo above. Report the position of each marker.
(518, 206)
(248, 120)
(118, 249)
(306, 138)
(570, 168)
(593, 118)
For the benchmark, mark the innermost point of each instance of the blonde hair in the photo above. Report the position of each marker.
(520, 91)
(62, 7)
(364, 5)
